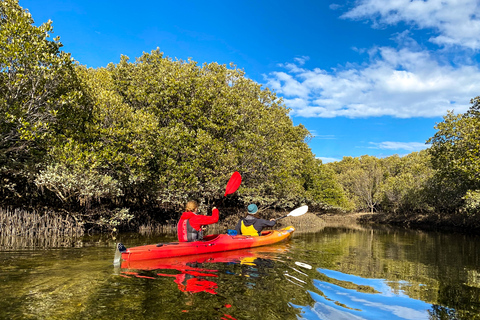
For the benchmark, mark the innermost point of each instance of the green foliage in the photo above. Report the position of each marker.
(472, 202)
(441, 179)
(153, 132)
(211, 121)
(322, 186)
(74, 184)
(114, 218)
(405, 187)
(455, 146)
(392, 184)
(39, 96)
(361, 178)
(455, 153)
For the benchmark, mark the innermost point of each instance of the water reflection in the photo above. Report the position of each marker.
(191, 273)
(338, 302)
(333, 274)
(391, 274)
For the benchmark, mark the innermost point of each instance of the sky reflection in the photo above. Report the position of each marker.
(333, 301)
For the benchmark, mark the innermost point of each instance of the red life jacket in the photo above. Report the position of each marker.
(189, 227)
(185, 231)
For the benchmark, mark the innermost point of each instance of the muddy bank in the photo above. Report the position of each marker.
(364, 220)
(434, 221)
(350, 221)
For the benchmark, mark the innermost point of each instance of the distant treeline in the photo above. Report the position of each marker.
(104, 144)
(444, 179)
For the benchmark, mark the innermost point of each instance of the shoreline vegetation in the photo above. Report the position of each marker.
(35, 229)
(124, 147)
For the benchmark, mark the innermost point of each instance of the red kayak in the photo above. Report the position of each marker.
(211, 243)
(241, 256)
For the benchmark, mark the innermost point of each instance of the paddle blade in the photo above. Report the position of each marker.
(298, 212)
(233, 183)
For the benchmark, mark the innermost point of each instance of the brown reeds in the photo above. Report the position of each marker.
(20, 228)
(147, 229)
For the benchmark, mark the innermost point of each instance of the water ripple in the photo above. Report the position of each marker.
(344, 296)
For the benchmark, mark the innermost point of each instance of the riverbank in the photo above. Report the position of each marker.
(31, 225)
(455, 222)
(350, 220)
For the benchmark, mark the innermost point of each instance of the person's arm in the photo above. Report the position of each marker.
(268, 223)
(204, 220)
(238, 227)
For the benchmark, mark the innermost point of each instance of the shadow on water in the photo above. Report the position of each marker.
(336, 273)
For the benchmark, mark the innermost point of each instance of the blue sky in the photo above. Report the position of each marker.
(365, 77)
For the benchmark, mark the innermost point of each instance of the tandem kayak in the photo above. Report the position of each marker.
(211, 243)
(181, 263)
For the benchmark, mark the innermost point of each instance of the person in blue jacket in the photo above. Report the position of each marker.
(251, 225)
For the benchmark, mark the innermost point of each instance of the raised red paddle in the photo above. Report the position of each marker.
(233, 183)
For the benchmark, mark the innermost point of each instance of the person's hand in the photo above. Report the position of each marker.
(272, 219)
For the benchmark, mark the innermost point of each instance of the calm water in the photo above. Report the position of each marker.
(332, 274)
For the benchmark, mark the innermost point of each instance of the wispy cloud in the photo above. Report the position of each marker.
(403, 82)
(327, 160)
(325, 137)
(391, 145)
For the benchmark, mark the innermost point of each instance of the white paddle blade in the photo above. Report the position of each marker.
(298, 212)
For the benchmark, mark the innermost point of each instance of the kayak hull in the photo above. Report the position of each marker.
(210, 244)
(242, 256)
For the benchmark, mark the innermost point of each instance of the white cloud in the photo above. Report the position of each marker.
(325, 136)
(391, 145)
(327, 160)
(457, 22)
(301, 60)
(402, 83)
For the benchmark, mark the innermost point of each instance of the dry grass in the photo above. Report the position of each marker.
(20, 228)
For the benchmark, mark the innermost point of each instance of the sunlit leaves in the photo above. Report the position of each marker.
(455, 154)
(154, 131)
(212, 121)
(456, 146)
(391, 184)
(39, 94)
(361, 178)
(407, 183)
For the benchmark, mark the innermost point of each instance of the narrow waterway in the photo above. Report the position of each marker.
(336, 273)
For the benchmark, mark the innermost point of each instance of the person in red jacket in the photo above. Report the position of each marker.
(189, 227)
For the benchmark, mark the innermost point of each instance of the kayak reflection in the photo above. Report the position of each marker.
(191, 272)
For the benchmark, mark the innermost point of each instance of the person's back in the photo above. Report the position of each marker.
(251, 225)
(189, 227)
